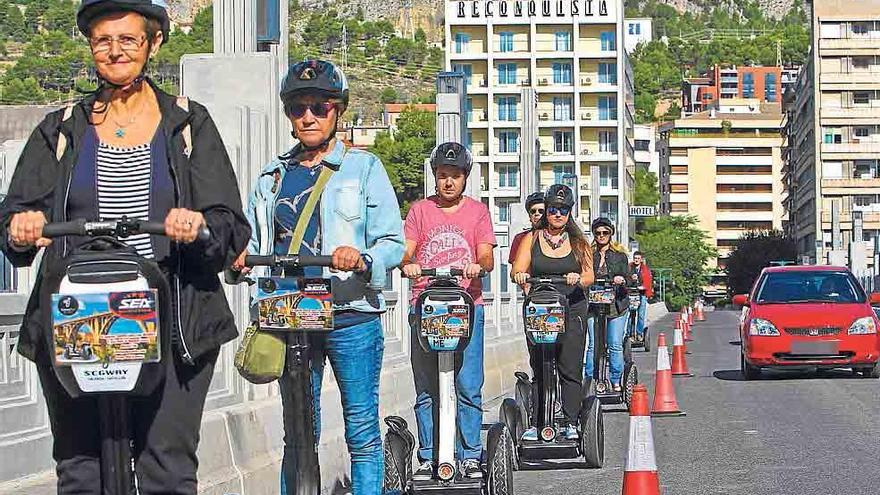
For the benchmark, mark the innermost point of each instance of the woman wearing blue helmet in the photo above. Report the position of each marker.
(129, 149)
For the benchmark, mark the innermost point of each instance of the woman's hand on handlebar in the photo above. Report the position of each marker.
(412, 270)
(26, 229)
(572, 278)
(239, 266)
(619, 280)
(348, 259)
(472, 270)
(521, 278)
(182, 225)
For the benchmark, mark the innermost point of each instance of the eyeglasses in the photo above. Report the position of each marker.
(558, 210)
(602, 233)
(536, 211)
(127, 42)
(319, 109)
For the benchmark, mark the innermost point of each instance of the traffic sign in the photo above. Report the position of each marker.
(642, 211)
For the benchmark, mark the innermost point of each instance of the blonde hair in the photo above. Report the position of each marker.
(613, 246)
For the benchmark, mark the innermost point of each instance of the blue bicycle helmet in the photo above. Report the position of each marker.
(89, 10)
(315, 77)
(453, 154)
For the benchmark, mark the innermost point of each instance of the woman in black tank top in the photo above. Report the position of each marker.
(557, 247)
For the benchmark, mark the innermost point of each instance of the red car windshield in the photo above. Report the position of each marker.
(809, 286)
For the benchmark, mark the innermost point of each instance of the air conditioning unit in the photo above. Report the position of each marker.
(543, 81)
(587, 81)
(525, 82)
(484, 83)
(485, 116)
(544, 116)
(587, 116)
(587, 151)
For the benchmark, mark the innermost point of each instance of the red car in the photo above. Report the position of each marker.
(808, 317)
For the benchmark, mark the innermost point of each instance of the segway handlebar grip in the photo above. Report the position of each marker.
(258, 260)
(291, 260)
(447, 272)
(61, 229)
(550, 279)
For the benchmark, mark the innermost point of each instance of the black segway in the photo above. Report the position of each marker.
(444, 312)
(110, 331)
(296, 307)
(602, 294)
(537, 403)
(635, 302)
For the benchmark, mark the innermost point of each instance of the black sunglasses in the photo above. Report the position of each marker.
(558, 210)
(319, 109)
(602, 233)
(537, 211)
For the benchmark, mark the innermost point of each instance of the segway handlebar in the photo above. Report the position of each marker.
(548, 279)
(290, 260)
(122, 228)
(446, 272)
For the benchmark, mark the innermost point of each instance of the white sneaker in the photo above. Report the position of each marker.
(425, 472)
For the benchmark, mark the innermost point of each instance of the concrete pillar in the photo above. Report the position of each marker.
(452, 126)
(235, 26)
(836, 237)
(529, 164)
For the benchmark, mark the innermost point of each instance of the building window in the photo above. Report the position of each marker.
(608, 141)
(507, 108)
(748, 85)
(861, 28)
(508, 176)
(608, 175)
(635, 28)
(862, 98)
(862, 63)
(466, 69)
(607, 73)
(608, 209)
(561, 73)
(770, 87)
(862, 132)
(562, 141)
(461, 42)
(563, 41)
(469, 109)
(562, 108)
(643, 145)
(506, 41)
(508, 142)
(507, 73)
(608, 40)
(561, 171)
(503, 211)
(470, 141)
(607, 108)
(832, 135)
(865, 169)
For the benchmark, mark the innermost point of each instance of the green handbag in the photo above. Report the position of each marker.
(260, 355)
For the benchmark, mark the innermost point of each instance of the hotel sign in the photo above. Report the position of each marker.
(484, 9)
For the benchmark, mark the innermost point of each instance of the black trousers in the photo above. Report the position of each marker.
(570, 348)
(164, 429)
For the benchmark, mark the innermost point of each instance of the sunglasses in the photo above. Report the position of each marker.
(602, 233)
(558, 210)
(536, 211)
(319, 109)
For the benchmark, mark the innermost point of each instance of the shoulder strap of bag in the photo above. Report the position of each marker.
(300, 230)
(183, 103)
(62, 138)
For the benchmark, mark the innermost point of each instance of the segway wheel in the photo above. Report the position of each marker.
(499, 470)
(523, 394)
(630, 380)
(627, 350)
(647, 340)
(592, 432)
(397, 450)
(510, 416)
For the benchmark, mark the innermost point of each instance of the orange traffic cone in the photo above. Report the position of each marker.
(664, 393)
(685, 328)
(679, 362)
(700, 315)
(690, 315)
(640, 472)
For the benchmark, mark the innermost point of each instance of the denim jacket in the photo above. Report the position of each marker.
(358, 208)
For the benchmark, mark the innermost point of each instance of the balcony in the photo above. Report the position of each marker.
(852, 113)
(858, 43)
(592, 153)
(848, 186)
(869, 148)
(868, 77)
(554, 155)
(590, 117)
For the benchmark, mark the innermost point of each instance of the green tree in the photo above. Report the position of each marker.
(60, 17)
(754, 251)
(677, 244)
(15, 28)
(3, 50)
(404, 153)
(22, 92)
(389, 95)
(645, 192)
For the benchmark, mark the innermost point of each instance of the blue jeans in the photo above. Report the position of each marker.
(615, 332)
(355, 353)
(643, 316)
(468, 387)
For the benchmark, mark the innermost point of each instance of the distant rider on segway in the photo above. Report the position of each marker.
(535, 209)
(451, 230)
(130, 149)
(357, 221)
(609, 262)
(558, 247)
(640, 276)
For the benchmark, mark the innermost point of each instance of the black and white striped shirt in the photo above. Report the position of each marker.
(123, 183)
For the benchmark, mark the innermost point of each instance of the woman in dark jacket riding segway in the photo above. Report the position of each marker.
(557, 247)
(129, 149)
(609, 263)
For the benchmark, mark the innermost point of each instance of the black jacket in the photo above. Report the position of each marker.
(204, 181)
(617, 264)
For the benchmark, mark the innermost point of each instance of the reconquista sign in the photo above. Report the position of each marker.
(479, 9)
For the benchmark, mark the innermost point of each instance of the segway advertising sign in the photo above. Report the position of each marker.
(105, 328)
(443, 325)
(295, 304)
(544, 322)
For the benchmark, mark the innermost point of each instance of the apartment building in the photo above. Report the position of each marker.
(571, 54)
(645, 144)
(636, 31)
(724, 166)
(832, 166)
(729, 81)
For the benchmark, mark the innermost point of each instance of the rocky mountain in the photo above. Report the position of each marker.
(772, 8)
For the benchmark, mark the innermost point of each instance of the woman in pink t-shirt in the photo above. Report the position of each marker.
(450, 230)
